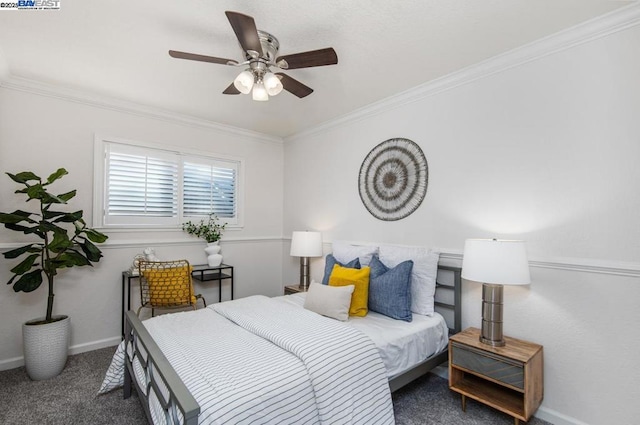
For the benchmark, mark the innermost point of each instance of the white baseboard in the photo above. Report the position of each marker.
(15, 362)
(95, 345)
(556, 418)
(11, 363)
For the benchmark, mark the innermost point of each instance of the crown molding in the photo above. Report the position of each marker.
(131, 108)
(593, 29)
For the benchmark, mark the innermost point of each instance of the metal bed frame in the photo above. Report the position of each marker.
(174, 397)
(448, 302)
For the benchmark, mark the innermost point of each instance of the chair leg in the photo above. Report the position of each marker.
(200, 297)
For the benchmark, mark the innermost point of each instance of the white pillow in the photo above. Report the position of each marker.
(345, 252)
(423, 274)
(330, 301)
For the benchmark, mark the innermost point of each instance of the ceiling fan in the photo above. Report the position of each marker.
(261, 53)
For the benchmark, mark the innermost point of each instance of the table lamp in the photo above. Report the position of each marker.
(494, 263)
(304, 245)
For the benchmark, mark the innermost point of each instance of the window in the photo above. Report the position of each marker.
(143, 186)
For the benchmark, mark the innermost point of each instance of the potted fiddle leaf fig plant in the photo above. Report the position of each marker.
(65, 242)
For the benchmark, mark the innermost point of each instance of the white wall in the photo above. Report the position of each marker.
(546, 151)
(42, 133)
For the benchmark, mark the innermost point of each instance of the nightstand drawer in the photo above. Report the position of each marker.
(499, 368)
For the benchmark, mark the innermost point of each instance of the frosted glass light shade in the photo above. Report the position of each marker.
(244, 82)
(259, 92)
(272, 83)
(495, 261)
(306, 244)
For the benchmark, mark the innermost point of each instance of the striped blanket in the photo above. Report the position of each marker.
(263, 360)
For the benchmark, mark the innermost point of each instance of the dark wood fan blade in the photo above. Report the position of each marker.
(231, 90)
(201, 58)
(245, 28)
(294, 86)
(320, 57)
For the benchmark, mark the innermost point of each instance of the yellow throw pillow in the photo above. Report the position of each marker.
(170, 287)
(342, 276)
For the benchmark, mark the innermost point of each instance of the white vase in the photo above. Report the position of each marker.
(214, 259)
(46, 347)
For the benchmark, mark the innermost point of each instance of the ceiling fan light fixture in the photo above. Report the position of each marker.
(272, 84)
(260, 92)
(244, 81)
(260, 52)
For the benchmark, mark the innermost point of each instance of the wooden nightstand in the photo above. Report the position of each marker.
(294, 289)
(507, 378)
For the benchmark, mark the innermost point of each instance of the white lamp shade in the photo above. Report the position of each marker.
(259, 92)
(272, 83)
(306, 244)
(495, 261)
(244, 82)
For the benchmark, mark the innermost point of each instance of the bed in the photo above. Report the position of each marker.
(305, 390)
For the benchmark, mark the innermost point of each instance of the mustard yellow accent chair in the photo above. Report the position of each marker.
(166, 285)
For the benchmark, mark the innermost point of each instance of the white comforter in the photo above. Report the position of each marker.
(262, 360)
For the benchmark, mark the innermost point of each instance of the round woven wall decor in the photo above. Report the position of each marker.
(393, 179)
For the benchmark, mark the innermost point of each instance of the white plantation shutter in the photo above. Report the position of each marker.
(148, 187)
(209, 188)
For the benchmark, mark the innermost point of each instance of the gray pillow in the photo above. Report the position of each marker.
(390, 289)
(330, 301)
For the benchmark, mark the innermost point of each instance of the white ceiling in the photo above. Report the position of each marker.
(119, 49)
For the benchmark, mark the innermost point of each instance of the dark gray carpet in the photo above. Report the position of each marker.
(70, 398)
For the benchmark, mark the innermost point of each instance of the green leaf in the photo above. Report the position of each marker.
(48, 198)
(66, 196)
(25, 214)
(48, 215)
(15, 217)
(28, 282)
(60, 242)
(91, 251)
(69, 259)
(18, 228)
(95, 236)
(25, 265)
(36, 230)
(36, 192)
(23, 177)
(55, 176)
(69, 217)
(46, 226)
(14, 253)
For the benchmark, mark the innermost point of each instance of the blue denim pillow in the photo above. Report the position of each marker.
(331, 261)
(390, 289)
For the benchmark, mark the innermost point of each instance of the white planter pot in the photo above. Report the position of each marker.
(46, 347)
(214, 258)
